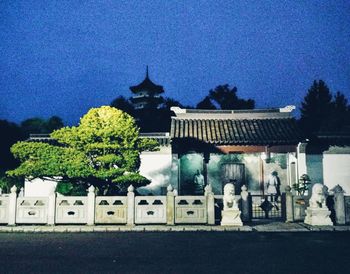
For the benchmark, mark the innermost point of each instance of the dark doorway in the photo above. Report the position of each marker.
(233, 173)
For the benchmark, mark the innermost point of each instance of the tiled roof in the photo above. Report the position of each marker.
(237, 131)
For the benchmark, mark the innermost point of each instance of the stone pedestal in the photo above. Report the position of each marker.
(317, 213)
(231, 217)
(318, 216)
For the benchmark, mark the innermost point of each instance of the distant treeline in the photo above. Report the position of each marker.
(321, 110)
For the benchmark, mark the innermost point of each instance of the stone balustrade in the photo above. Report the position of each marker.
(91, 209)
(170, 209)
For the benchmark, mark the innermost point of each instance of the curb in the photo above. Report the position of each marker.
(274, 227)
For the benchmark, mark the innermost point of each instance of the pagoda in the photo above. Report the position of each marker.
(146, 94)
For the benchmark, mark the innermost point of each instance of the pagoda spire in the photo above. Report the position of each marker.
(147, 71)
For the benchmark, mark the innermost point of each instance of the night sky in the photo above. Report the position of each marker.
(64, 57)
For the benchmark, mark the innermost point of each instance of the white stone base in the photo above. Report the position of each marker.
(318, 216)
(231, 217)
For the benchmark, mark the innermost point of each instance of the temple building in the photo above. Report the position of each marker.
(146, 94)
(243, 147)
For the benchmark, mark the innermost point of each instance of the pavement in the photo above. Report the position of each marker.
(183, 252)
(260, 226)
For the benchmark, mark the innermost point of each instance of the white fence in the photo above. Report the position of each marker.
(150, 210)
(190, 210)
(32, 210)
(71, 210)
(91, 209)
(300, 204)
(111, 210)
(4, 212)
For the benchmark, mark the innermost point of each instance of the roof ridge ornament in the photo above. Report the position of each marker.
(288, 108)
(178, 110)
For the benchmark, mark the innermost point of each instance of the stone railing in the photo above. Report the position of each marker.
(296, 206)
(111, 210)
(4, 210)
(31, 210)
(347, 209)
(130, 210)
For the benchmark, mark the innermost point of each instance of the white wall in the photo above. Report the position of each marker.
(157, 167)
(336, 170)
(39, 187)
(301, 160)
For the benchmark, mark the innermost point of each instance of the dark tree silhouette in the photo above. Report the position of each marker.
(10, 134)
(206, 104)
(123, 104)
(319, 112)
(40, 126)
(316, 107)
(33, 126)
(226, 98)
(170, 102)
(54, 123)
(150, 119)
(340, 112)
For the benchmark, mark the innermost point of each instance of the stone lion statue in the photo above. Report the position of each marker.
(318, 197)
(229, 197)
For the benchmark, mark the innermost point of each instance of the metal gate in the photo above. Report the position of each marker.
(268, 207)
(234, 173)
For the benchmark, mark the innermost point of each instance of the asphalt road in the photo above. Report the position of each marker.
(175, 252)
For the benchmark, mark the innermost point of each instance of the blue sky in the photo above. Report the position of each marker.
(64, 57)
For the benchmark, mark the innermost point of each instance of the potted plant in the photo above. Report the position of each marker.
(302, 185)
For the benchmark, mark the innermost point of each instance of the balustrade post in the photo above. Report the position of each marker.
(289, 204)
(12, 206)
(245, 204)
(170, 205)
(131, 205)
(91, 205)
(210, 204)
(339, 205)
(51, 209)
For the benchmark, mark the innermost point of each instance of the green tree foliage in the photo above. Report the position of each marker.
(226, 98)
(7, 182)
(104, 150)
(321, 112)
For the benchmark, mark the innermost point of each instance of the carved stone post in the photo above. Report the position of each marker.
(210, 204)
(91, 205)
(170, 206)
(131, 205)
(12, 206)
(21, 192)
(339, 205)
(289, 204)
(51, 209)
(245, 204)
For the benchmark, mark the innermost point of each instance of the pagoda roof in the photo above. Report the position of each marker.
(147, 85)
